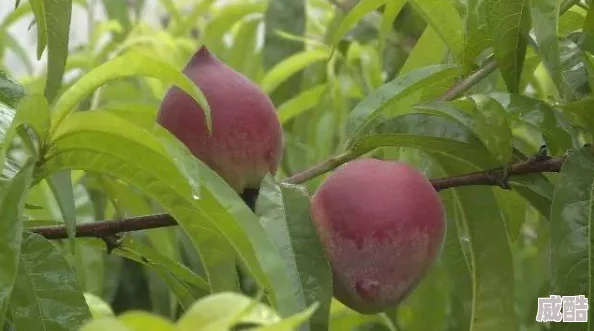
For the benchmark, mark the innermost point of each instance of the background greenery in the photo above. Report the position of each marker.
(349, 78)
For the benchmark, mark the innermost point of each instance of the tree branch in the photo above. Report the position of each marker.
(107, 228)
(496, 176)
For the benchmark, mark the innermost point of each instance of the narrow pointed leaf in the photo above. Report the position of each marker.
(12, 201)
(572, 239)
(61, 185)
(11, 92)
(391, 11)
(284, 212)
(491, 124)
(443, 17)
(428, 50)
(545, 18)
(478, 37)
(290, 66)
(490, 255)
(53, 29)
(368, 110)
(32, 112)
(556, 130)
(287, 16)
(224, 310)
(130, 64)
(354, 16)
(509, 22)
(46, 295)
(301, 103)
(428, 132)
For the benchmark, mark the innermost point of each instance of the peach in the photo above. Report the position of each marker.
(382, 225)
(247, 139)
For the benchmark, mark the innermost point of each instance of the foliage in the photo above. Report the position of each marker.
(450, 86)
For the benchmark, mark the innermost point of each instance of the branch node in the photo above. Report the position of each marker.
(112, 241)
(500, 178)
(540, 155)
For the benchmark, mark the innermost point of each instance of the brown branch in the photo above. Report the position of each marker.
(107, 228)
(496, 176)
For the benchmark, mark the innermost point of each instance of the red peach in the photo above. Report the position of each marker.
(382, 225)
(247, 138)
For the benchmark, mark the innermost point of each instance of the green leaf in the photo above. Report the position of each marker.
(284, 212)
(61, 185)
(241, 56)
(290, 66)
(490, 254)
(588, 30)
(478, 36)
(97, 306)
(105, 323)
(12, 201)
(290, 323)
(536, 189)
(368, 110)
(571, 224)
(184, 282)
(144, 321)
(53, 29)
(143, 115)
(443, 17)
(456, 264)
(40, 20)
(354, 16)
(287, 16)
(509, 23)
(571, 21)
(32, 112)
(575, 69)
(223, 310)
(11, 92)
(215, 218)
(130, 64)
(428, 50)
(46, 295)
(118, 11)
(491, 125)
(537, 114)
(224, 18)
(545, 18)
(513, 206)
(301, 103)
(580, 113)
(429, 132)
(391, 11)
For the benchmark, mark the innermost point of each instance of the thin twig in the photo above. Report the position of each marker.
(102, 229)
(496, 176)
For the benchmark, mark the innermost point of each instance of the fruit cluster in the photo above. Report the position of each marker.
(381, 223)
